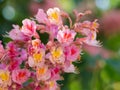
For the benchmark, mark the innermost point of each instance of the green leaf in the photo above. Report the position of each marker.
(75, 85)
(22, 65)
(28, 82)
(113, 42)
(6, 39)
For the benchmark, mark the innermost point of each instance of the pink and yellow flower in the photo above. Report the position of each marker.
(37, 58)
(54, 16)
(42, 73)
(91, 39)
(56, 55)
(52, 85)
(3, 88)
(89, 31)
(36, 43)
(5, 78)
(25, 57)
(91, 25)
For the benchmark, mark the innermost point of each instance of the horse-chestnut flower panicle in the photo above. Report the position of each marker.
(43, 48)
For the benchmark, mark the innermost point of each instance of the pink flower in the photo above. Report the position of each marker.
(19, 76)
(16, 34)
(66, 36)
(52, 85)
(15, 52)
(43, 73)
(91, 39)
(52, 30)
(37, 58)
(36, 43)
(2, 50)
(14, 64)
(91, 25)
(72, 52)
(29, 27)
(22, 54)
(3, 88)
(86, 27)
(89, 31)
(5, 78)
(69, 67)
(54, 16)
(56, 56)
(2, 66)
(41, 88)
(41, 16)
(27, 57)
(55, 73)
(12, 50)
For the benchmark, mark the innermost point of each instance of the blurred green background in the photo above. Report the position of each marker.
(99, 68)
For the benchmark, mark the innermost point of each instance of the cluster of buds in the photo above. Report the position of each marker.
(42, 49)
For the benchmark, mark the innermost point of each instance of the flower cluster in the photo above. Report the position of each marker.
(42, 49)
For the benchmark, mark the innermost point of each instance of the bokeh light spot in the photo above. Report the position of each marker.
(102, 4)
(39, 0)
(1, 1)
(8, 12)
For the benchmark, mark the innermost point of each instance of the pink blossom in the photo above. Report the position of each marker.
(19, 76)
(2, 66)
(52, 30)
(56, 55)
(37, 58)
(55, 73)
(86, 27)
(72, 52)
(52, 85)
(69, 67)
(54, 16)
(41, 16)
(91, 25)
(12, 50)
(36, 43)
(2, 50)
(22, 54)
(16, 34)
(89, 31)
(14, 64)
(29, 27)
(5, 78)
(27, 57)
(15, 52)
(66, 36)
(42, 73)
(91, 39)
